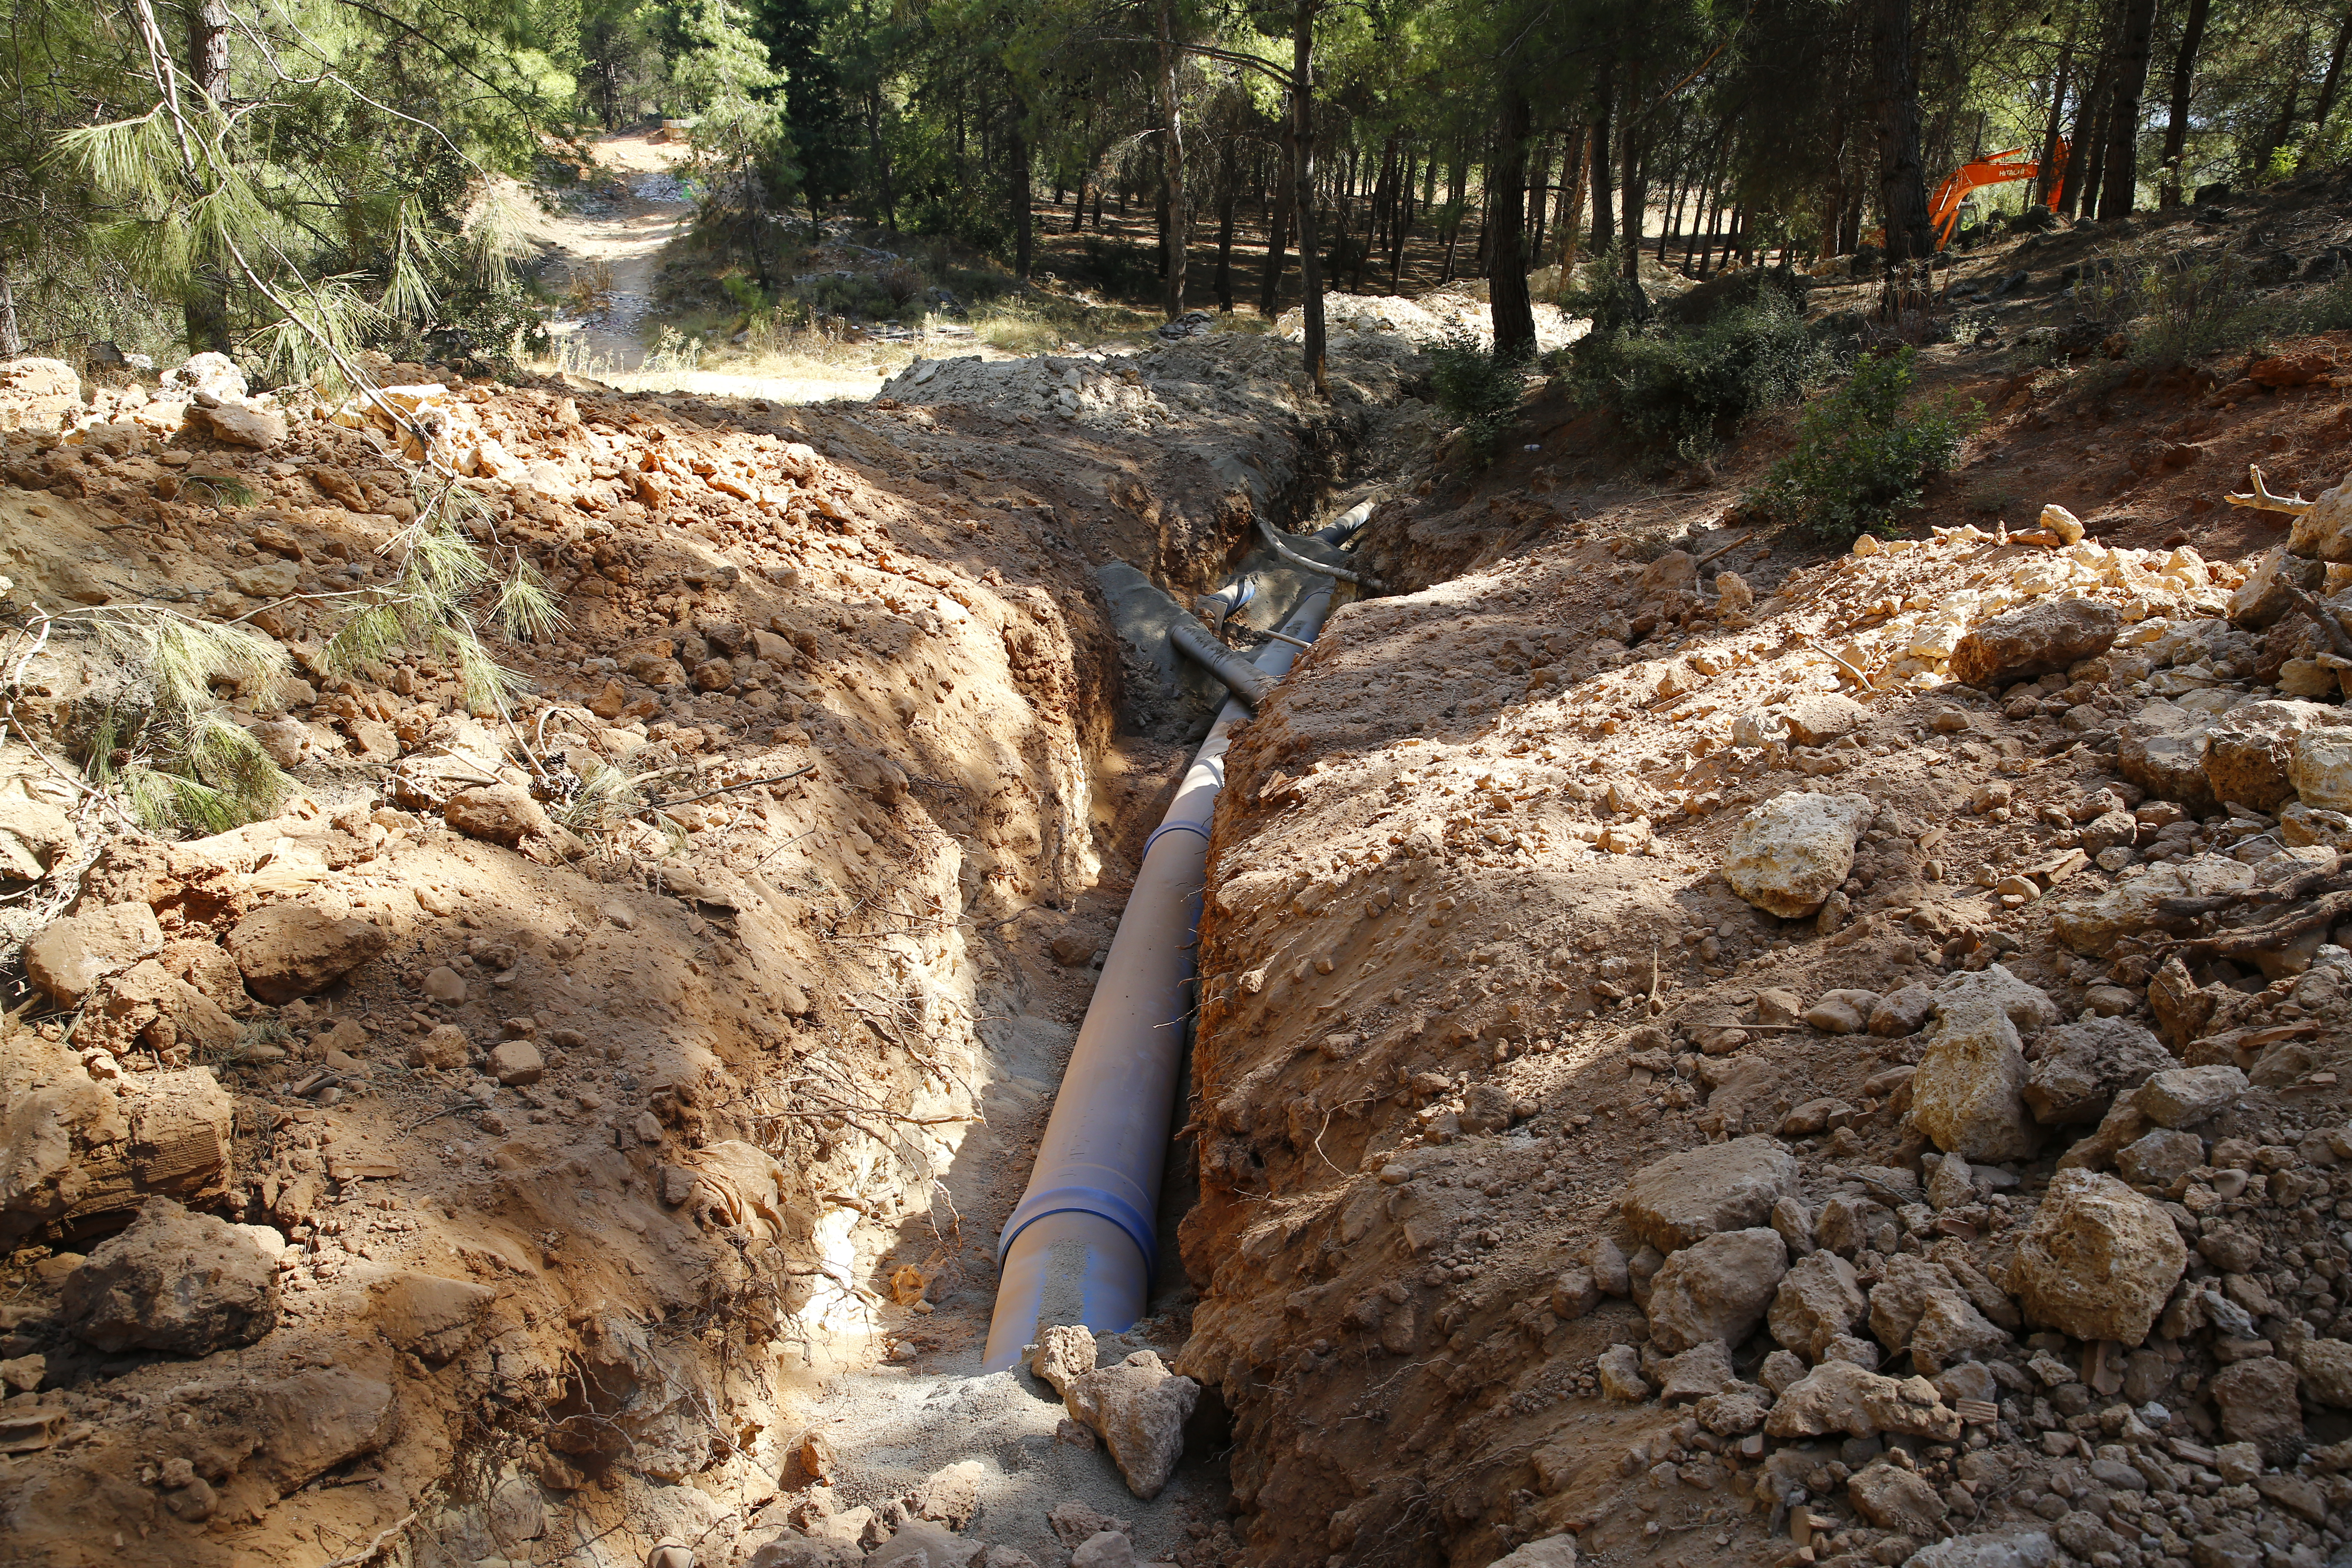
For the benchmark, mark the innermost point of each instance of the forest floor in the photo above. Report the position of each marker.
(597, 1187)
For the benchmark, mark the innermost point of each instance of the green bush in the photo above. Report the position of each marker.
(1689, 387)
(1861, 454)
(1604, 296)
(1477, 388)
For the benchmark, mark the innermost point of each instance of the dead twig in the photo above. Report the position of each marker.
(367, 1552)
(2248, 941)
(724, 789)
(2263, 500)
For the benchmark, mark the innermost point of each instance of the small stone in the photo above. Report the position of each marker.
(1620, 1370)
(500, 814)
(1842, 1011)
(1064, 1351)
(1695, 1374)
(2185, 1096)
(1903, 1012)
(1893, 1498)
(1108, 1550)
(287, 951)
(515, 1063)
(1839, 1396)
(2257, 1399)
(444, 1047)
(442, 983)
(2083, 1067)
(2159, 1159)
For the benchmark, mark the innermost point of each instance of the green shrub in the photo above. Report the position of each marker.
(1599, 291)
(1477, 388)
(1861, 454)
(1689, 387)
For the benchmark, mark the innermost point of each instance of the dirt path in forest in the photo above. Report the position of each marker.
(606, 245)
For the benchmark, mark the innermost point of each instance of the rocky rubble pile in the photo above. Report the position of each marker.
(1846, 1065)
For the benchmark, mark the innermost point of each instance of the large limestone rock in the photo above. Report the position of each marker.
(1713, 1187)
(2322, 773)
(1819, 1299)
(2167, 763)
(2035, 640)
(1839, 1396)
(38, 395)
(149, 1006)
(2324, 532)
(1138, 1409)
(2094, 925)
(73, 1151)
(2024, 1549)
(297, 950)
(2085, 1065)
(2098, 1261)
(2257, 1400)
(501, 813)
(68, 956)
(1716, 1289)
(1969, 1092)
(2249, 750)
(185, 1283)
(238, 423)
(2262, 600)
(1790, 853)
(1918, 1306)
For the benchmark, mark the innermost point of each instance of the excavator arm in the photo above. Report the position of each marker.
(2000, 168)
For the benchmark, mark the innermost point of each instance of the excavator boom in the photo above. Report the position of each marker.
(2000, 168)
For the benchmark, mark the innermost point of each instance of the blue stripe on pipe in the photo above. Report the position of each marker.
(1083, 1200)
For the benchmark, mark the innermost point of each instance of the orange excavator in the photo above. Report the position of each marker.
(2001, 168)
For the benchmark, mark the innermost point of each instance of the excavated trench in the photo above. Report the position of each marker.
(603, 1183)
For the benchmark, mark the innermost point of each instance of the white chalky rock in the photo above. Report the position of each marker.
(1791, 852)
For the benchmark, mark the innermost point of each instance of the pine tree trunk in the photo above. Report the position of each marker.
(1604, 222)
(1025, 235)
(1172, 125)
(1574, 172)
(2082, 166)
(12, 338)
(1228, 178)
(1277, 226)
(2328, 87)
(1632, 188)
(204, 308)
(2119, 185)
(2046, 177)
(1902, 177)
(1507, 282)
(1302, 91)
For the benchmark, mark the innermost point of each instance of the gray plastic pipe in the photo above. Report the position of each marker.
(1079, 1247)
(1245, 681)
